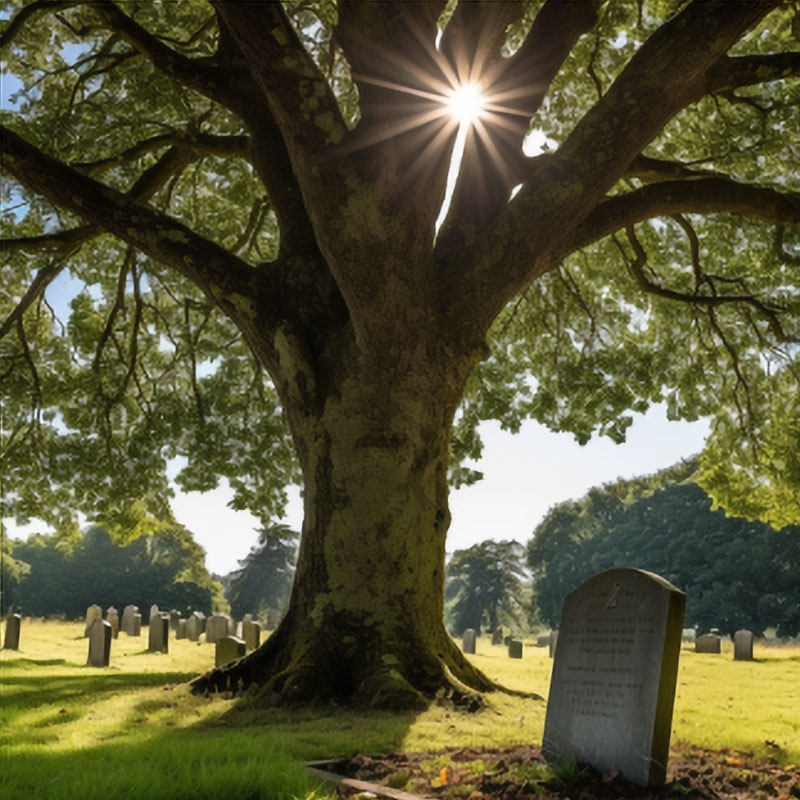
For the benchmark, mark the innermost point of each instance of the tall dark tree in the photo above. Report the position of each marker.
(252, 189)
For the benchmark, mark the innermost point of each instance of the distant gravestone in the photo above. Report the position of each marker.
(92, 613)
(507, 640)
(543, 640)
(201, 620)
(158, 639)
(232, 626)
(174, 618)
(743, 646)
(216, 628)
(468, 641)
(100, 637)
(515, 649)
(497, 636)
(707, 643)
(614, 673)
(13, 625)
(112, 617)
(229, 648)
(553, 642)
(136, 625)
(251, 633)
(248, 618)
(127, 619)
(180, 631)
(193, 629)
(154, 612)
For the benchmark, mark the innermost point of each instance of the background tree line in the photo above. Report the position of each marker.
(736, 573)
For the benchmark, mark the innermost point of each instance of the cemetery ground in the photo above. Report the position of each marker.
(133, 730)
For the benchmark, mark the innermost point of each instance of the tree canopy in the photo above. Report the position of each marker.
(245, 199)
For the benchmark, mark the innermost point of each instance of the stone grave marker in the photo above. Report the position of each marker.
(154, 612)
(614, 674)
(229, 648)
(136, 625)
(515, 649)
(174, 617)
(158, 639)
(13, 626)
(553, 642)
(707, 643)
(248, 617)
(112, 616)
(232, 626)
(92, 613)
(743, 646)
(543, 640)
(180, 631)
(468, 641)
(507, 640)
(251, 634)
(497, 636)
(127, 618)
(193, 628)
(216, 628)
(201, 620)
(99, 643)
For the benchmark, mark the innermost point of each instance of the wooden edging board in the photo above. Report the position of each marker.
(358, 786)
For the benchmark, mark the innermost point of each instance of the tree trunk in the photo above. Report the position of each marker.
(365, 620)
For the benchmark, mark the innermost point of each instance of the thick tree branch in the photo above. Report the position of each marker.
(653, 170)
(713, 195)
(733, 72)
(649, 91)
(31, 10)
(224, 278)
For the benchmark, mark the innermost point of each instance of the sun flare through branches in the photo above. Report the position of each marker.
(466, 103)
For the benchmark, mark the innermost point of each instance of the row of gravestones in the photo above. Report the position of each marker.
(514, 645)
(742, 645)
(615, 671)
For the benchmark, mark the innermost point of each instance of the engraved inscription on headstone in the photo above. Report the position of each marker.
(100, 636)
(614, 675)
(92, 613)
(743, 646)
(468, 641)
(13, 625)
(707, 643)
(229, 648)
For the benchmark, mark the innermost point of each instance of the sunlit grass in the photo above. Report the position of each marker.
(134, 730)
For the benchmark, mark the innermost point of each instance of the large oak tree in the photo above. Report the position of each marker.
(241, 189)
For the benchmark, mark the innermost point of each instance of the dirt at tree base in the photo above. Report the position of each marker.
(519, 773)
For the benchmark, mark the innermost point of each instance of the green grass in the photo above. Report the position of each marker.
(133, 730)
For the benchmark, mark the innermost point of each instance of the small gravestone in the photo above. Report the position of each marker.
(13, 625)
(92, 613)
(497, 636)
(154, 612)
(193, 628)
(229, 648)
(248, 618)
(553, 642)
(468, 641)
(232, 626)
(136, 625)
(614, 673)
(112, 617)
(743, 646)
(100, 637)
(515, 649)
(507, 640)
(543, 640)
(251, 634)
(126, 626)
(201, 620)
(707, 643)
(158, 640)
(180, 631)
(216, 628)
(174, 618)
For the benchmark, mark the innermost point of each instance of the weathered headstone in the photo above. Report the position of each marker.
(216, 628)
(201, 620)
(100, 636)
(127, 619)
(543, 640)
(497, 636)
(232, 626)
(193, 627)
(707, 643)
(13, 626)
(158, 639)
(515, 649)
(248, 618)
(112, 617)
(251, 634)
(468, 641)
(92, 613)
(553, 642)
(614, 674)
(154, 612)
(180, 631)
(174, 617)
(507, 640)
(136, 625)
(743, 646)
(229, 648)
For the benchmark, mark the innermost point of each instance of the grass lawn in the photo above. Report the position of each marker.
(133, 730)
